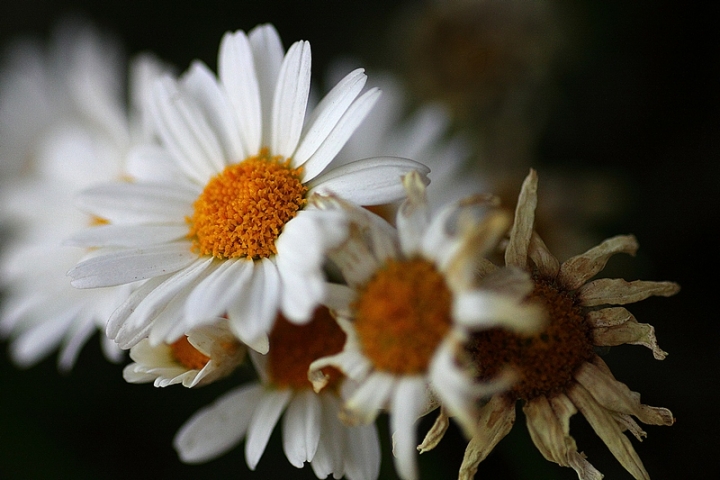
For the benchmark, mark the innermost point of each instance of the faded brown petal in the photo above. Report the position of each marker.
(616, 291)
(549, 427)
(436, 432)
(547, 264)
(577, 270)
(516, 254)
(617, 397)
(496, 421)
(477, 240)
(626, 422)
(631, 332)
(608, 317)
(608, 430)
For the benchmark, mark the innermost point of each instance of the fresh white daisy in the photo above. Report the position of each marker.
(204, 355)
(410, 301)
(224, 227)
(69, 99)
(311, 430)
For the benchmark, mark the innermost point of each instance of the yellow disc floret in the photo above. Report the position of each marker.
(187, 355)
(243, 209)
(402, 315)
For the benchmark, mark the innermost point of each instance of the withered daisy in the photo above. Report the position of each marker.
(559, 371)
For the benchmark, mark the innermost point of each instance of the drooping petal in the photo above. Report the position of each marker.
(373, 181)
(265, 417)
(577, 270)
(408, 402)
(496, 419)
(217, 428)
(516, 254)
(301, 428)
(616, 291)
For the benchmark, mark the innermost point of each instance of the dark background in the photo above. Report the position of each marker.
(636, 97)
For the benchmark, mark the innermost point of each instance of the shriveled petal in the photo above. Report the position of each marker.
(516, 254)
(629, 332)
(616, 291)
(290, 100)
(605, 426)
(546, 263)
(373, 181)
(617, 397)
(549, 427)
(577, 270)
(217, 428)
(129, 266)
(436, 432)
(496, 420)
(413, 215)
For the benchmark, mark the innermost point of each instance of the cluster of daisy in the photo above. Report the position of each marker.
(226, 218)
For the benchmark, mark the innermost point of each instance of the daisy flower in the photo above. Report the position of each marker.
(311, 431)
(221, 223)
(410, 301)
(204, 355)
(70, 96)
(559, 371)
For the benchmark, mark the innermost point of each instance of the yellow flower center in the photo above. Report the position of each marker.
(546, 361)
(243, 209)
(294, 347)
(402, 315)
(187, 355)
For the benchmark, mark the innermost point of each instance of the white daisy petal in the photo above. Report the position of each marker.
(290, 100)
(132, 265)
(330, 452)
(81, 331)
(153, 163)
(363, 453)
(212, 296)
(120, 315)
(123, 203)
(213, 101)
(131, 236)
(263, 422)
(408, 403)
(236, 70)
(301, 428)
(479, 309)
(266, 45)
(373, 181)
(185, 132)
(218, 427)
(371, 396)
(328, 112)
(340, 134)
(35, 343)
(253, 312)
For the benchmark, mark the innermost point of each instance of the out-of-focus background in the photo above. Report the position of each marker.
(615, 103)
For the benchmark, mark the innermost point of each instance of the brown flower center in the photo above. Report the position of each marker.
(545, 361)
(243, 209)
(402, 315)
(294, 347)
(187, 355)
